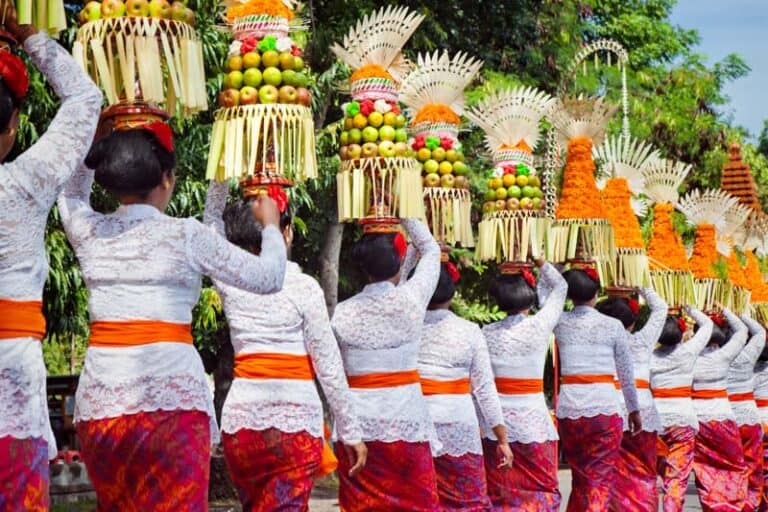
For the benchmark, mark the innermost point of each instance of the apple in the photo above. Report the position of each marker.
(400, 123)
(431, 166)
(289, 77)
(360, 121)
(137, 8)
(233, 80)
(157, 8)
(522, 181)
(301, 80)
(534, 181)
(460, 168)
(249, 95)
(451, 155)
(401, 134)
(252, 77)
(286, 61)
(537, 192)
(229, 98)
(513, 203)
(536, 201)
(386, 132)
(344, 153)
(494, 183)
(344, 138)
(251, 60)
(514, 191)
(401, 149)
(234, 63)
(526, 203)
(490, 195)
(268, 94)
(354, 151)
(178, 11)
(501, 205)
(432, 180)
(438, 154)
(370, 150)
(375, 119)
(116, 9)
(92, 11)
(508, 180)
(355, 136)
(488, 207)
(272, 75)
(370, 134)
(460, 157)
(305, 98)
(387, 149)
(445, 167)
(423, 154)
(461, 182)
(447, 181)
(501, 193)
(287, 94)
(298, 63)
(270, 59)
(390, 119)
(189, 17)
(528, 191)
(348, 123)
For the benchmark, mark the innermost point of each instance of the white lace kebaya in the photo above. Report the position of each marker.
(672, 368)
(293, 321)
(518, 347)
(741, 376)
(379, 330)
(140, 264)
(28, 189)
(451, 349)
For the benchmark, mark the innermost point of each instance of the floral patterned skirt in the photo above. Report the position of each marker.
(398, 477)
(752, 446)
(718, 464)
(272, 470)
(24, 475)
(678, 465)
(461, 483)
(591, 447)
(157, 461)
(530, 485)
(635, 485)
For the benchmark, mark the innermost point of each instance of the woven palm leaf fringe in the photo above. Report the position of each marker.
(592, 238)
(674, 286)
(246, 138)
(511, 236)
(164, 57)
(739, 302)
(710, 292)
(392, 187)
(448, 212)
(629, 269)
(760, 311)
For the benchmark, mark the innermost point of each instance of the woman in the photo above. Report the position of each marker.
(379, 330)
(272, 420)
(518, 346)
(718, 460)
(741, 387)
(593, 348)
(28, 188)
(455, 367)
(636, 488)
(761, 400)
(144, 413)
(672, 366)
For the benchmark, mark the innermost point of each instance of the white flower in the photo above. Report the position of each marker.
(284, 44)
(234, 48)
(498, 172)
(382, 106)
(344, 108)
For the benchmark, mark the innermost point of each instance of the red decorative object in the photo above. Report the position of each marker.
(446, 143)
(681, 324)
(634, 306)
(528, 276)
(366, 107)
(395, 109)
(452, 271)
(592, 274)
(718, 319)
(248, 44)
(14, 74)
(401, 246)
(419, 142)
(162, 133)
(279, 196)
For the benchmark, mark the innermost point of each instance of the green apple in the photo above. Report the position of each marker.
(301, 80)
(400, 123)
(401, 134)
(386, 132)
(344, 138)
(528, 191)
(501, 193)
(447, 181)
(460, 168)
(252, 77)
(537, 192)
(370, 150)
(526, 203)
(298, 63)
(354, 151)
(514, 191)
(451, 155)
(536, 203)
(355, 136)
(534, 181)
(157, 8)
(268, 94)
(370, 134)
(178, 11)
(438, 154)
(116, 8)
(490, 195)
(272, 75)
(387, 149)
(431, 166)
(289, 77)
(233, 80)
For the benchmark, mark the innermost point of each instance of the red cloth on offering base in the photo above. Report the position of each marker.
(24, 474)
(635, 485)
(718, 465)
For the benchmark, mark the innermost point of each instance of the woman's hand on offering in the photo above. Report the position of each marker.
(265, 212)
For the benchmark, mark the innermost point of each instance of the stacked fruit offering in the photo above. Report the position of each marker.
(513, 187)
(442, 162)
(160, 9)
(373, 128)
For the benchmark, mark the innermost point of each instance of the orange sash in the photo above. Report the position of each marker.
(273, 366)
(383, 379)
(137, 332)
(639, 384)
(445, 387)
(587, 379)
(761, 402)
(512, 386)
(681, 392)
(21, 319)
(709, 394)
(741, 397)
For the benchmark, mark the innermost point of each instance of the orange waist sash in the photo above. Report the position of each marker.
(681, 392)
(761, 402)
(587, 379)
(21, 319)
(512, 386)
(709, 394)
(131, 333)
(741, 397)
(273, 366)
(639, 384)
(383, 379)
(445, 387)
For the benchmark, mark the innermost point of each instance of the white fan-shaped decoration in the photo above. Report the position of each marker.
(581, 117)
(438, 78)
(511, 115)
(378, 39)
(733, 222)
(707, 207)
(625, 158)
(663, 179)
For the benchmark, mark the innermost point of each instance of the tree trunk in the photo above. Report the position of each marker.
(329, 265)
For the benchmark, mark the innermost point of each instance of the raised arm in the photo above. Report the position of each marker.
(409, 262)
(739, 335)
(76, 197)
(649, 334)
(215, 202)
(756, 342)
(624, 369)
(552, 305)
(427, 273)
(483, 384)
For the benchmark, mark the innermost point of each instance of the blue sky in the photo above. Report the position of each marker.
(734, 26)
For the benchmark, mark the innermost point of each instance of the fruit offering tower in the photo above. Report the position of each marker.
(706, 210)
(670, 272)
(48, 15)
(264, 132)
(143, 52)
(434, 96)
(514, 222)
(728, 233)
(378, 179)
(623, 160)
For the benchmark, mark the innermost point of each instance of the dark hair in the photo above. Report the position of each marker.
(719, 336)
(376, 255)
(618, 308)
(243, 230)
(7, 106)
(763, 354)
(671, 334)
(445, 289)
(512, 293)
(581, 287)
(129, 162)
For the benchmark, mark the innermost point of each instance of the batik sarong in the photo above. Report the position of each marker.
(461, 483)
(24, 474)
(677, 466)
(752, 446)
(398, 477)
(157, 461)
(530, 485)
(718, 465)
(635, 485)
(591, 447)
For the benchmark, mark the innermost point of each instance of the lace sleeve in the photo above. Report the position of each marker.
(212, 255)
(427, 273)
(75, 198)
(739, 336)
(756, 342)
(51, 161)
(483, 383)
(624, 370)
(409, 262)
(552, 308)
(215, 202)
(701, 339)
(649, 334)
(326, 360)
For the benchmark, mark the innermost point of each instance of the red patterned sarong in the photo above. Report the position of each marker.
(752, 446)
(635, 485)
(718, 464)
(461, 483)
(24, 474)
(591, 447)
(530, 485)
(764, 503)
(398, 477)
(272, 470)
(157, 461)
(678, 465)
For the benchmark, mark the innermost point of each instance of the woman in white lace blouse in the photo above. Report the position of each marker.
(379, 330)
(518, 346)
(28, 188)
(144, 411)
(593, 348)
(272, 420)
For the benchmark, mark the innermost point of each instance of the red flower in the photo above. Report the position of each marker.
(14, 74)
(634, 306)
(592, 274)
(718, 319)
(248, 44)
(419, 142)
(295, 51)
(395, 108)
(401, 246)
(509, 169)
(528, 276)
(279, 196)
(366, 107)
(162, 133)
(681, 324)
(446, 143)
(452, 271)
